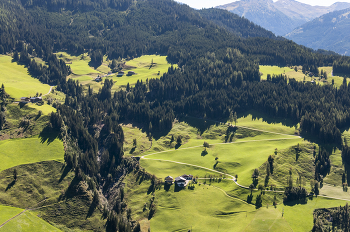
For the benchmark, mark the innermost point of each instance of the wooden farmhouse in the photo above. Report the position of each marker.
(180, 181)
(169, 180)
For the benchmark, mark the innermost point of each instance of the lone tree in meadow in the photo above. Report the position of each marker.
(134, 142)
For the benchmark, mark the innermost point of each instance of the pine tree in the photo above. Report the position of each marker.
(235, 118)
(15, 174)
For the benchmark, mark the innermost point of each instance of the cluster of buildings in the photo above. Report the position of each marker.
(180, 181)
(120, 74)
(31, 99)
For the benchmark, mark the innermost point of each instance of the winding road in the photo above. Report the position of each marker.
(215, 171)
(232, 178)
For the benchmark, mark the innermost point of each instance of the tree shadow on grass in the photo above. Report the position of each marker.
(22, 104)
(269, 119)
(132, 150)
(177, 188)
(177, 146)
(65, 172)
(10, 185)
(92, 208)
(204, 153)
(167, 187)
(48, 135)
(298, 202)
(201, 124)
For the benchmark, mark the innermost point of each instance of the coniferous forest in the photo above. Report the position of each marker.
(218, 57)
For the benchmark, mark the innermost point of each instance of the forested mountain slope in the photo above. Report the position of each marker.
(236, 24)
(330, 32)
(218, 72)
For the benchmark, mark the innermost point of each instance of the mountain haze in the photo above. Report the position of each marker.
(330, 32)
(280, 17)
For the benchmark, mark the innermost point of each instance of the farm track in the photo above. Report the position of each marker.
(212, 170)
(13, 218)
(232, 178)
(28, 209)
(49, 90)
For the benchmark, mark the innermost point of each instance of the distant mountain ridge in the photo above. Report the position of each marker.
(330, 32)
(280, 17)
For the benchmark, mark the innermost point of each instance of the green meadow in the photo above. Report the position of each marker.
(239, 158)
(267, 69)
(142, 66)
(143, 69)
(300, 216)
(18, 83)
(256, 138)
(15, 152)
(24, 222)
(206, 209)
(7, 212)
(78, 64)
(299, 75)
(45, 109)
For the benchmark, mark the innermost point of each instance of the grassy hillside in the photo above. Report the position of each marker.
(24, 222)
(24, 121)
(301, 162)
(18, 83)
(7, 212)
(29, 150)
(144, 69)
(235, 158)
(43, 186)
(256, 138)
(299, 75)
(298, 216)
(142, 66)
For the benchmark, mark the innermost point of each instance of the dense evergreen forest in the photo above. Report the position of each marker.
(218, 55)
(333, 219)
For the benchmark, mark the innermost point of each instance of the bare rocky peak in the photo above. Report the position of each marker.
(280, 17)
(298, 10)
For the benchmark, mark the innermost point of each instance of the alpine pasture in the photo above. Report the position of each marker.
(225, 201)
(18, 83)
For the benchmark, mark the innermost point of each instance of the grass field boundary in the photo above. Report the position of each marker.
(225, 174)
(13, 218)
(25, 210)
(142, 157)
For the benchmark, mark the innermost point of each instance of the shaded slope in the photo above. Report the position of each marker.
(330, 32)
(282, 16)
(234, 23)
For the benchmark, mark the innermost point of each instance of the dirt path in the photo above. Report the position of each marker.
(13, 218)
(49, 91)
(22, 213)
